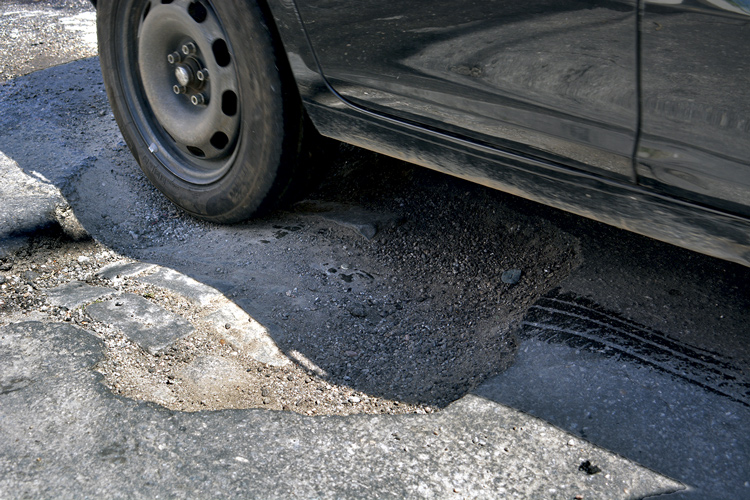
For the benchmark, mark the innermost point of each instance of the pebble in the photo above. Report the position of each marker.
(354, 399)
(83, 259)
(357, 310)
(30, 276)
(511, 276)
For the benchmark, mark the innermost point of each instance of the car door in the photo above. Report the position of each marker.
(551, 79)
(695, 141)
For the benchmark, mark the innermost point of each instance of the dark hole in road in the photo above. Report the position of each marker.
(413, 318)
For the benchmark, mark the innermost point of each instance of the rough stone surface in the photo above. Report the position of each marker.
(28, 203)
(38, 33)
(124, 269)
(150, 326)
(81, 441)
(75, 294)
(363, 222)
(187, 287)
(211, 377)
(660, 421)
(246, 335)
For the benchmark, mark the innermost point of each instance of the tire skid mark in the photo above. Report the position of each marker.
(565, 318)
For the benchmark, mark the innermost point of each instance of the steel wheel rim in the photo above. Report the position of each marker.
(182, 87)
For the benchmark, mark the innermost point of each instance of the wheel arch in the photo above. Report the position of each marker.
(289, 31)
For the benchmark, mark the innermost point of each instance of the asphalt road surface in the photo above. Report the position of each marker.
(364, 342)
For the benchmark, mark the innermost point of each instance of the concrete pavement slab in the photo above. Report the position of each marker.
(189, 288)
(82, 441)
(149, 325)
(646, 403)
(245, 334)
(76, 293)
(124, 269)
(28, 203)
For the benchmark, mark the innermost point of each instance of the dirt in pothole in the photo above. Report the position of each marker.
(426, 342)
(407, 321)
(49, 259)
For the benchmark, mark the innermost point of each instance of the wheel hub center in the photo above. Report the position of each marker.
(185, 86)
(184, 75)
(190, 74)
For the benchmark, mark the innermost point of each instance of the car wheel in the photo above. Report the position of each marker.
(204, 99)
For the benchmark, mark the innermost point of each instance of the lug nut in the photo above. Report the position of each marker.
(198, 99)
(178, 89)
(174, 57)
(189, 48)
(202, 75)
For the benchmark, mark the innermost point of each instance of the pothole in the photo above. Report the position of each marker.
(401, 337)
(412, 318)
(414, 327)
(230, 361)
(416, 315)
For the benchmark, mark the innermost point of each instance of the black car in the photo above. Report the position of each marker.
(633, 113)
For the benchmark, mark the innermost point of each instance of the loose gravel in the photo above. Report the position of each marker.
(36, 34)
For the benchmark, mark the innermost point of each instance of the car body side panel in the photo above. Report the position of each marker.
(695, 141)
(617, 203)
(548, 78)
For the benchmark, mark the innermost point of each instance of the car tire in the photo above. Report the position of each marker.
(205, 101)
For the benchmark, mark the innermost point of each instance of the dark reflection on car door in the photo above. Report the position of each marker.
(554, 79)
(696, 101)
